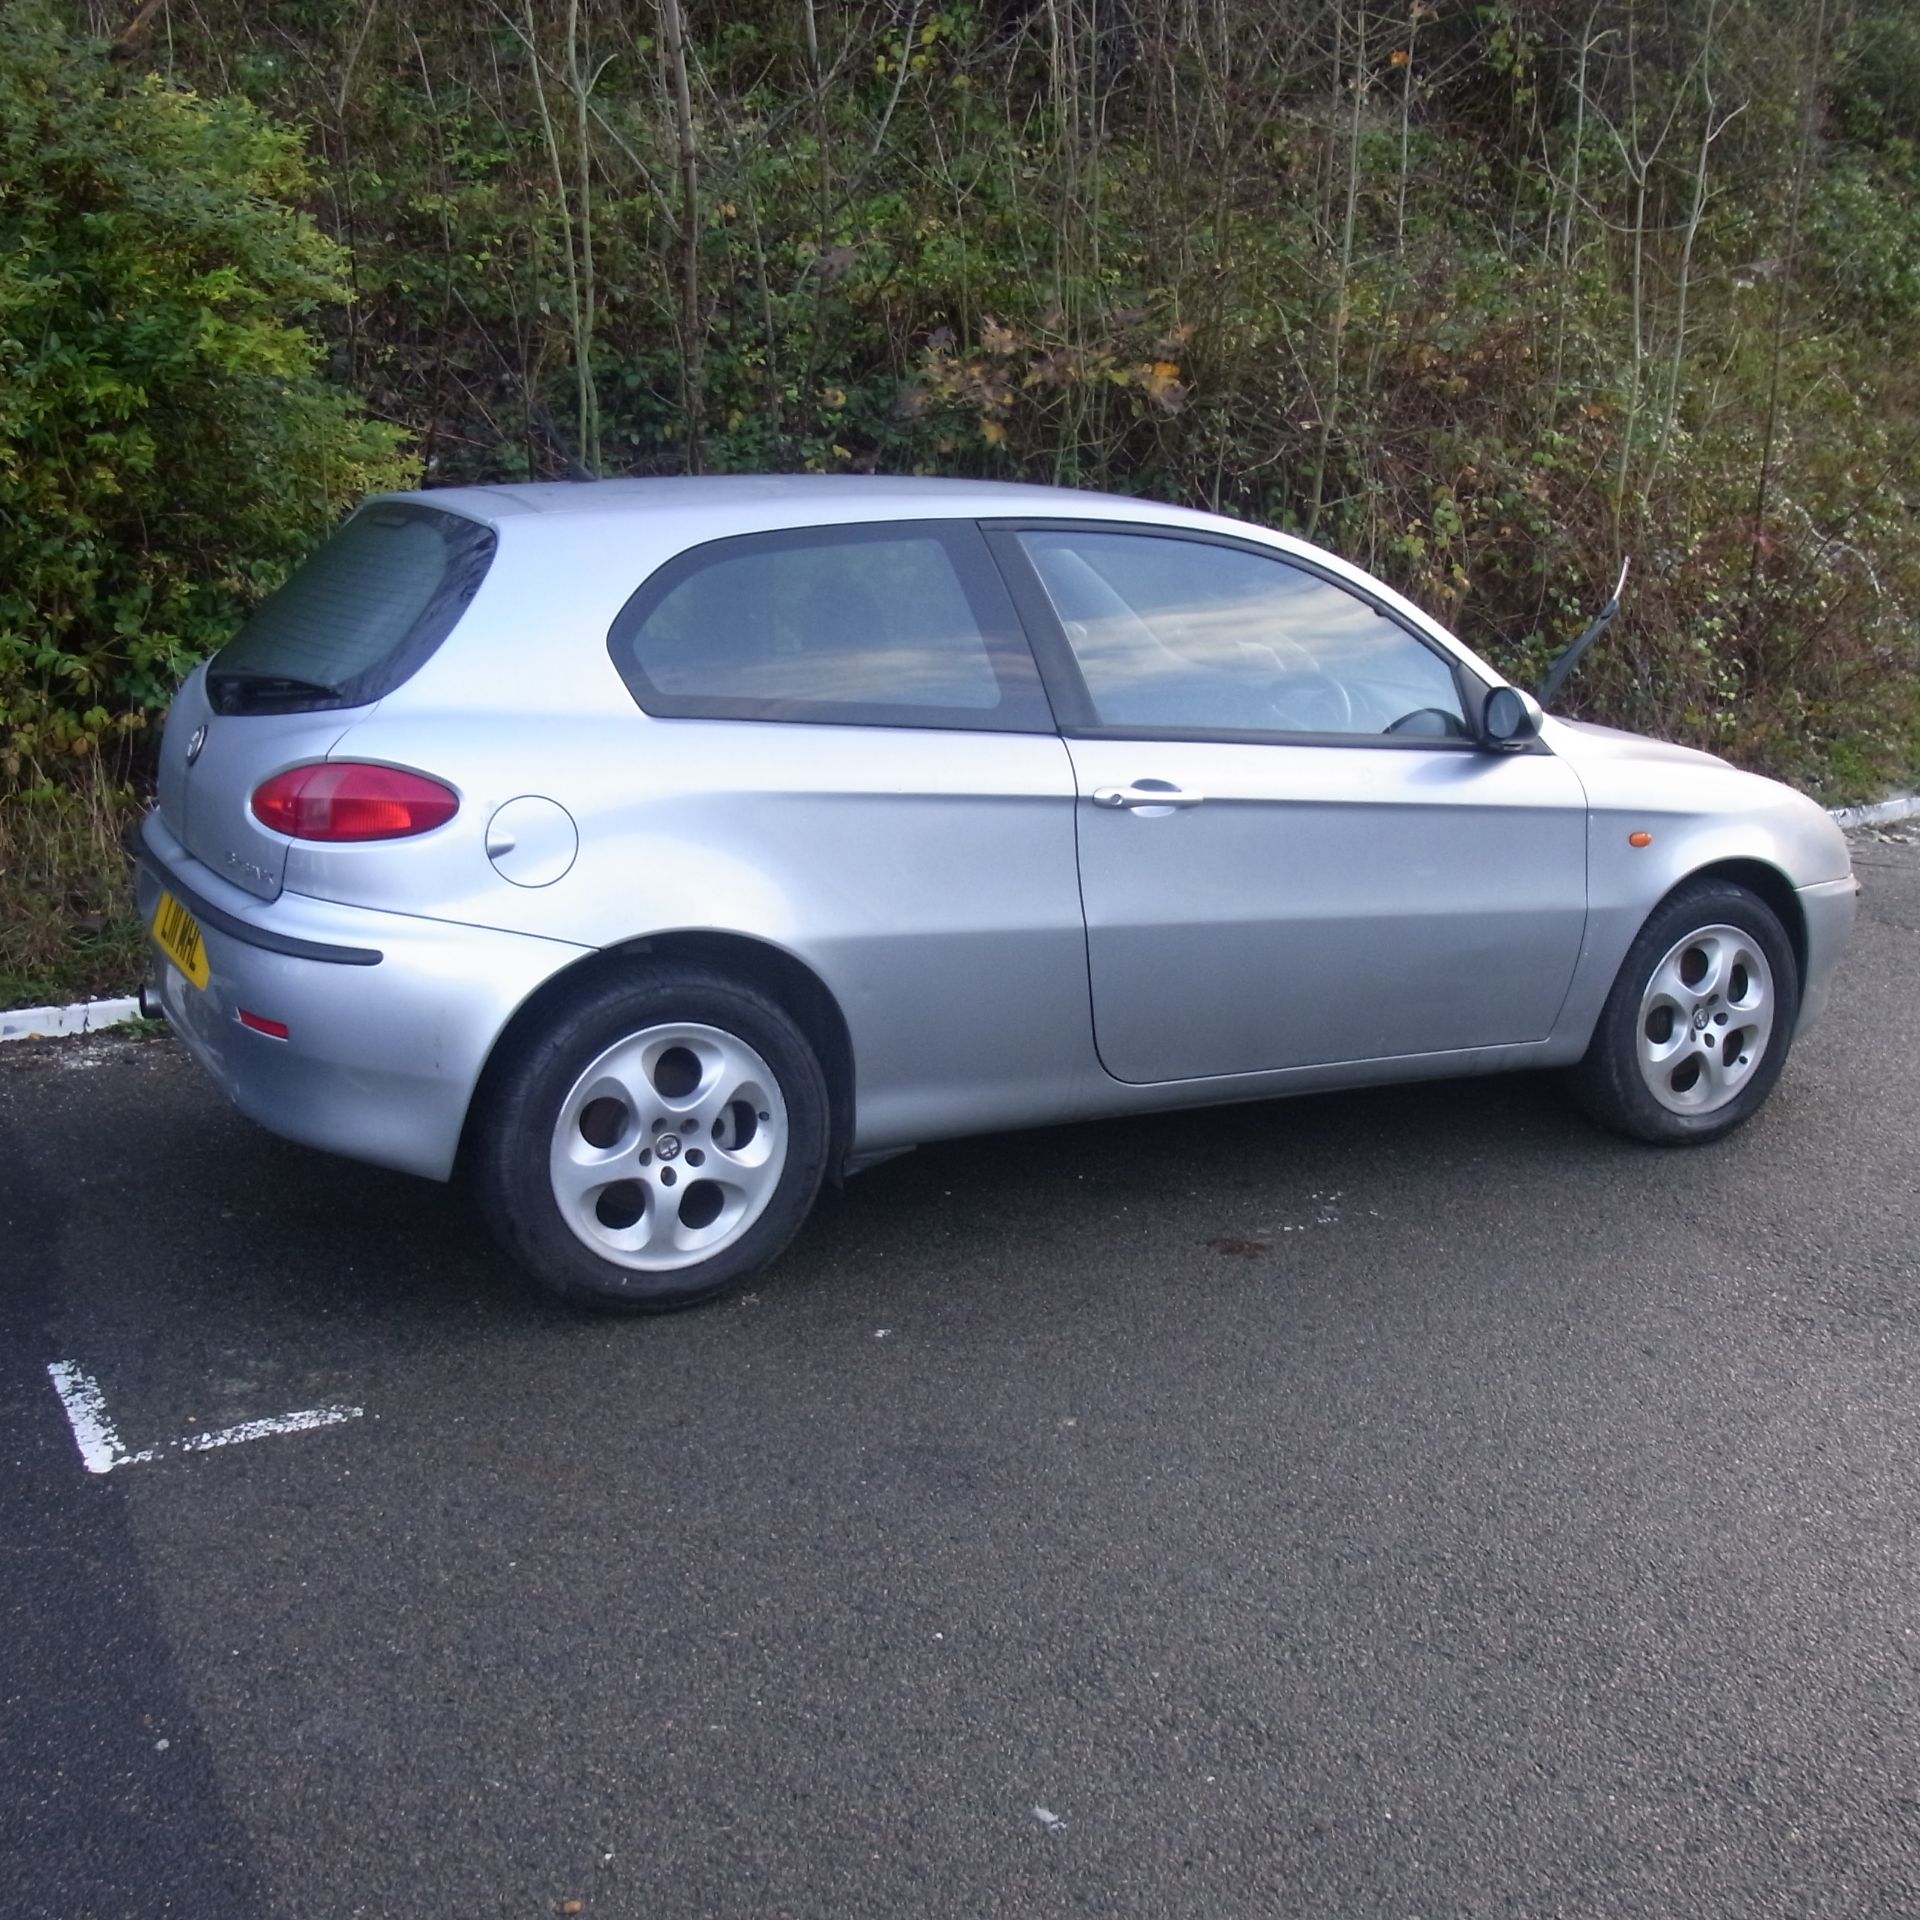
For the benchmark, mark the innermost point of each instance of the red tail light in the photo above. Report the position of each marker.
(344, 800)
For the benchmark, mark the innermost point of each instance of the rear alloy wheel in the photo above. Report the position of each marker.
(662, 1140)
(1697, 1027)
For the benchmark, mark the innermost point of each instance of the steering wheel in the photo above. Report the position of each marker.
(1310, 703)
(1429, 723)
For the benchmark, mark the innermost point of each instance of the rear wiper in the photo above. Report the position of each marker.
(236, 684)
(270, 682)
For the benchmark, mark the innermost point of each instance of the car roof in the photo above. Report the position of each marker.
(796, 499)
(674, 512)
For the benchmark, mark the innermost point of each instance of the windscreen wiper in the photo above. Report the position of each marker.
(1557, 673)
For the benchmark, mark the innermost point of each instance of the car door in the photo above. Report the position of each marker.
(1293, 851)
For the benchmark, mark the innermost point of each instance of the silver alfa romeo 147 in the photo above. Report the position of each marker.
(650, 851)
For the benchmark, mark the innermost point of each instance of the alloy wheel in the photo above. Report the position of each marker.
(1706, 1018)
(668, 1147)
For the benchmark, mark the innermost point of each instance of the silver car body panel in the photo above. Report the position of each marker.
(380, 1060)
(1828, 911)
(926, 878)
(1700, 813)
(209, 767)
(1474, 907)
(1389, 901)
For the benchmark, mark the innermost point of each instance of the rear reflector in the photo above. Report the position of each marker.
(273, 1029)
(345, 800)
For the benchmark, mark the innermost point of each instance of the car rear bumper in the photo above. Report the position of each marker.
(1827, 911)
(389, 1018)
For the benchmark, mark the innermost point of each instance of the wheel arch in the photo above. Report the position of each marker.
(1771, 886)
(785, 979)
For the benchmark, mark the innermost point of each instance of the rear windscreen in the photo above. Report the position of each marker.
(359, 617)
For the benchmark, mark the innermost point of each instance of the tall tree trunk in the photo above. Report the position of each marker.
(693, 396)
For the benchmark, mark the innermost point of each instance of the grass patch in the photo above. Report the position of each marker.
(68, 926)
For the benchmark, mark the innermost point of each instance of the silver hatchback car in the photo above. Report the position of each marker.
(654, 850)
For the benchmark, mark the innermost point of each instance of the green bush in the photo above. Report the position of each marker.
(68, 929)
(168, 445)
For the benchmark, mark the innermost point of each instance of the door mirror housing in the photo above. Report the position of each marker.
(1509, 720)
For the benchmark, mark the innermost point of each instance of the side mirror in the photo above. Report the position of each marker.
(1509, 720)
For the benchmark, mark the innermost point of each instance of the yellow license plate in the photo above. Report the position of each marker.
(177, 934)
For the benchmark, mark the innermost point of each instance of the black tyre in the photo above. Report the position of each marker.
(659, 1139)
(1697, 1027)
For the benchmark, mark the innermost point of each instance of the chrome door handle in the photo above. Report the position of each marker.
(1145, 796)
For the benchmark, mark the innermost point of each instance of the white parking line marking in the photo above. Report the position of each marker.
(99, 1441)
(302, 1422)
(93, 1430)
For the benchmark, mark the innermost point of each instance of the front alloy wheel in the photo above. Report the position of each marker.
(1697, 1027)
(1706, 1018)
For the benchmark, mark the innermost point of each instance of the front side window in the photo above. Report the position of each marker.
(1196, 636)
(900, 624)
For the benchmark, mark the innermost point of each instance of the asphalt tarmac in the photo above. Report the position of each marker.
(1401, 1504)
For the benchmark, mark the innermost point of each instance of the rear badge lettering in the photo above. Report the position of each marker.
(248, 871)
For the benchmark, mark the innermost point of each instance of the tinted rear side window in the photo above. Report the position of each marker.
(902, 624)
(359, 617)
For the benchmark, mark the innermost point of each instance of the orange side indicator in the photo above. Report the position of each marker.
(1639, 839)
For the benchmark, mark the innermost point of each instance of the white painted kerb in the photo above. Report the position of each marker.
(49, 1023)
(1907, 807)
